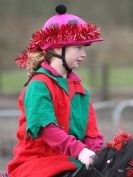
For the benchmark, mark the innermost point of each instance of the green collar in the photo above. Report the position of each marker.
(62, 82)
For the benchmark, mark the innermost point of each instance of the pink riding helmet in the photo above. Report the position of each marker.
(61, 30)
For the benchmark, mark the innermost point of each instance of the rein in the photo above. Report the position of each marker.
(123, 170)
(97, 171)
(120, 170)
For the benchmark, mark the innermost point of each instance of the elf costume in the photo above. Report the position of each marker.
(57, 118)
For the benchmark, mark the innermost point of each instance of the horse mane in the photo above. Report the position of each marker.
(119, 140)
(115, 159)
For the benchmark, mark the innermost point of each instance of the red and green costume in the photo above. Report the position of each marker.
(50, 99)
(42, 102)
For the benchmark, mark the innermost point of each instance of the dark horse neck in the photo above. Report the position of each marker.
(114, 163)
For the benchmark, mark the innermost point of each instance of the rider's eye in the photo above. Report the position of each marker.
(79, 47)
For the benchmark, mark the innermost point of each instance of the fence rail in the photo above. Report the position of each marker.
(116, 113)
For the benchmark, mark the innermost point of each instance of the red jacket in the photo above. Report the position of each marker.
(33, 157)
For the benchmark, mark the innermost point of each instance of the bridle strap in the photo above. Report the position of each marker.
(98, 172)
(123, 170)
(120, 170)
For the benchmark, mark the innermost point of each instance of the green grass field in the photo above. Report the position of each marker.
(118, 77)
(13, 81)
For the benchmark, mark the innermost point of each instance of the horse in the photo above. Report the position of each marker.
(114, 160)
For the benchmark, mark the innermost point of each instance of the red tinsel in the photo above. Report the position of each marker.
(21, 60)
(130, 170)
(119, 140)
(59, 36)
(56, 36)
(36, 41)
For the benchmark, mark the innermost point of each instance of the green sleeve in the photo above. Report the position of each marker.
(39, 107)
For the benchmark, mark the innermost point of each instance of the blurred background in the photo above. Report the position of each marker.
(107, 71)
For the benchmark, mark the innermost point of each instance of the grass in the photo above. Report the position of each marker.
(13, 81)
(117, 77)
(121, 77)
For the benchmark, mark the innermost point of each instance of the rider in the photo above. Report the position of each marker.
(57, 126)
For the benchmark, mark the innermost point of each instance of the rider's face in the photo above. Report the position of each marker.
(74, 56)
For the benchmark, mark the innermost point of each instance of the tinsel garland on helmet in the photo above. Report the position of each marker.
(59, 36)
(22, 60)
(64, 35)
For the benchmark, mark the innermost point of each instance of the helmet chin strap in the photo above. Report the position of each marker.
(62, 56)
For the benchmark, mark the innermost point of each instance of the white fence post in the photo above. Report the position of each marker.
(118, 112)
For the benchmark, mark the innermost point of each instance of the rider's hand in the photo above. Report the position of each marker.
(86, 156)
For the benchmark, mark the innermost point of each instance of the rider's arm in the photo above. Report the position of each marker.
(93, 139)
(59, 140)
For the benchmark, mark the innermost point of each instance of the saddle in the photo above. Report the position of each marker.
(80, 172)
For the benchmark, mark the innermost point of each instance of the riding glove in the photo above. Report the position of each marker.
(86, 156)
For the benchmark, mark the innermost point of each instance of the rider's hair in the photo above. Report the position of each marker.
(35, 59)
